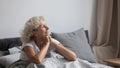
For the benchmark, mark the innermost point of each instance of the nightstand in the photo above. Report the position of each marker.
(115, 62)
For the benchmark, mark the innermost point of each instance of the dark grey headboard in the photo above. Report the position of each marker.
(9, 42)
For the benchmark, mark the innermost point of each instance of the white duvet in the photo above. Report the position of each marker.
(61, 63)
(57, 61)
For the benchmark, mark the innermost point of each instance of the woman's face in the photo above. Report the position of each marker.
(42, 30)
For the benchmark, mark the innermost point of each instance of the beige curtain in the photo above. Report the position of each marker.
(118, 43)
(107, 41)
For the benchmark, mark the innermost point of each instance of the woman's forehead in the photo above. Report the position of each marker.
(42, 22)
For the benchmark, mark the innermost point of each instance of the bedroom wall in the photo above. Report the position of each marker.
(61, 15)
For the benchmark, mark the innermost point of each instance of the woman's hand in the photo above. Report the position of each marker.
(46, 40)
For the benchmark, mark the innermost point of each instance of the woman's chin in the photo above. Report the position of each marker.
(46, 34)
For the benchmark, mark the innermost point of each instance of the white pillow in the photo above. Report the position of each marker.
(9, 59)
(14, 50)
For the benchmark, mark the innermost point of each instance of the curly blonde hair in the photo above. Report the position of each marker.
(30, 26)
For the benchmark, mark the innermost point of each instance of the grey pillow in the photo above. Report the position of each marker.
(77, 42)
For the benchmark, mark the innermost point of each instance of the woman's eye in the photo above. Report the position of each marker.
(42, 26)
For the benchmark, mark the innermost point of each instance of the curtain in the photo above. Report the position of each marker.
(107, 42)
(118, 43)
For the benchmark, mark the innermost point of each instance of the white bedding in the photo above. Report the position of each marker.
(61, 63)
(101, 65)
(56, 61)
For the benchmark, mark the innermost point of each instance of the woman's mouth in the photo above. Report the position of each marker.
(47, 33)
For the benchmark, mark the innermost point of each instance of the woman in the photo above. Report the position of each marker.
(36, 42)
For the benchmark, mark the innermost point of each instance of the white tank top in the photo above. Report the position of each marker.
(36, 49)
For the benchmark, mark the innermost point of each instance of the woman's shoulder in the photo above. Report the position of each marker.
(31, 43)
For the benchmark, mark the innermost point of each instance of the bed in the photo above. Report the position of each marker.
(78, 41)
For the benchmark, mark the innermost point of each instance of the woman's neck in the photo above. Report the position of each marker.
(39, 40)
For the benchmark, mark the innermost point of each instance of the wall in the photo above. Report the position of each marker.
(61, 15)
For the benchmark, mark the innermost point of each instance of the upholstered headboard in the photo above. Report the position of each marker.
(9, 42)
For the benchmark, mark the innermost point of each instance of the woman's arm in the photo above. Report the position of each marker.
(68, 54)
(36, 57)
